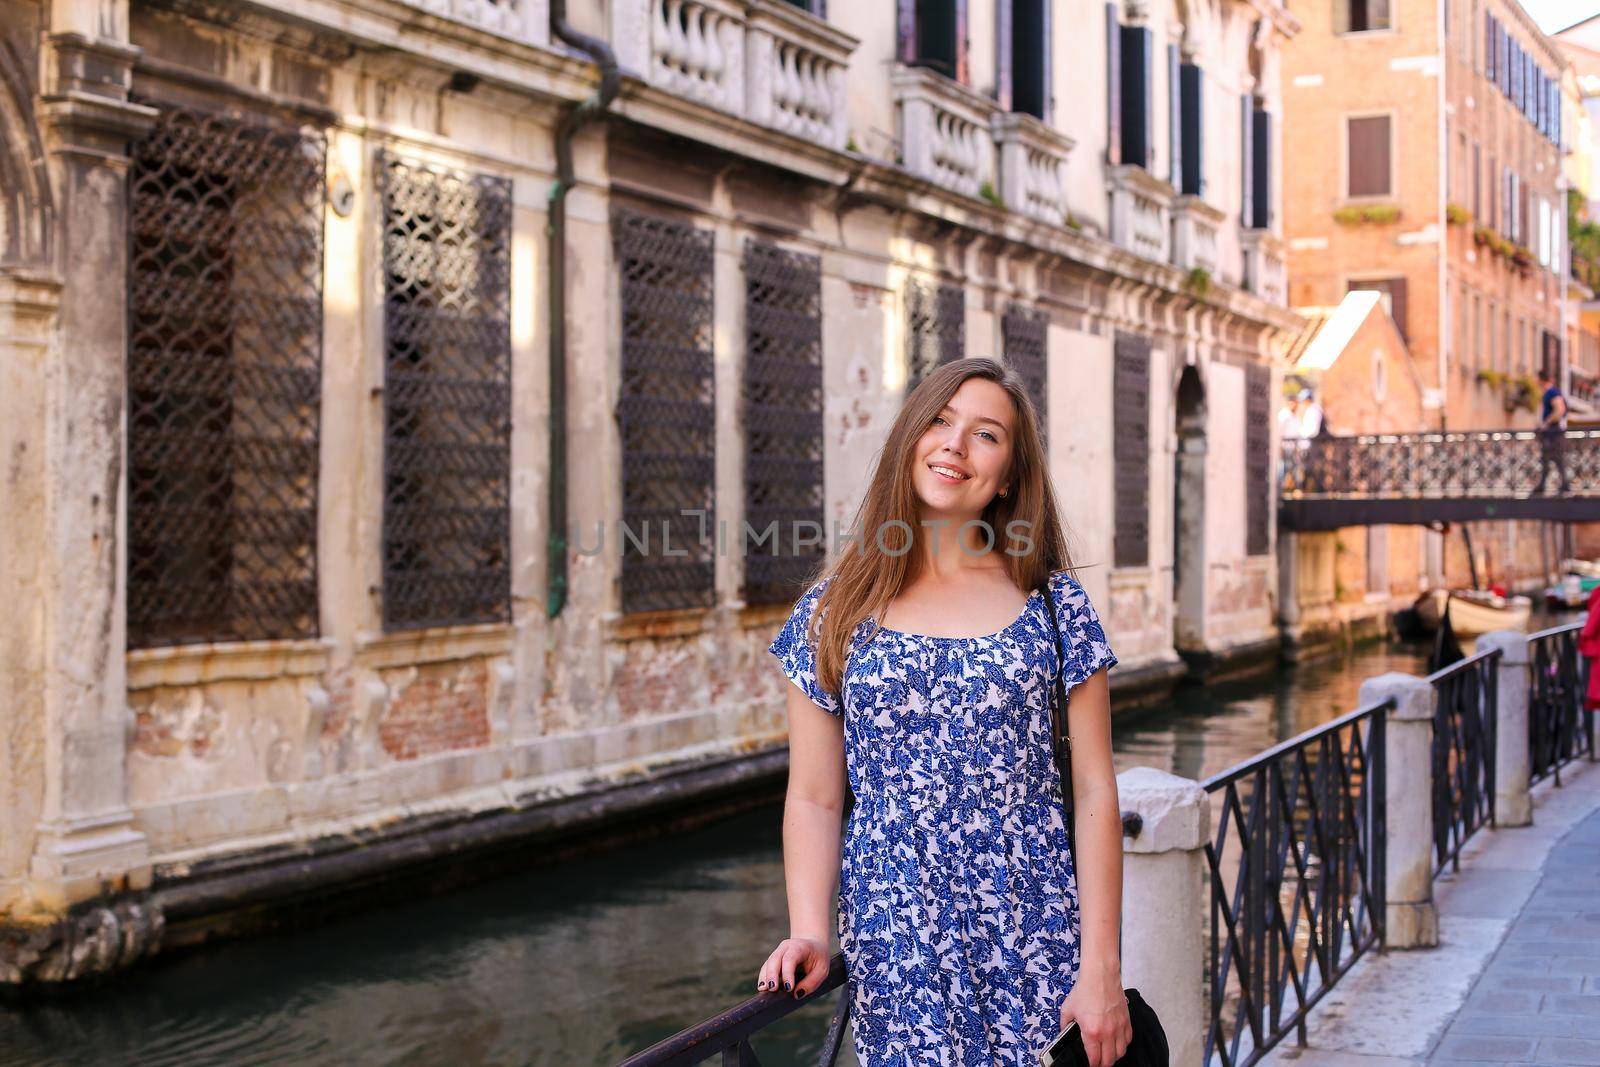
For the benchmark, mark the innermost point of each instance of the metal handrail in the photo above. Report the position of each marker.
(1560, 726)
(1463, 752)
(1302, 827)
(729, 1032)
(1437, 464)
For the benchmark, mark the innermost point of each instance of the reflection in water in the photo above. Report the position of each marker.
(579, 964)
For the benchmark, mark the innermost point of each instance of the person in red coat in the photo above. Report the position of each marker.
(1589, 649)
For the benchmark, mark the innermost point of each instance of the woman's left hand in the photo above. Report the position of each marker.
(1100, 1008)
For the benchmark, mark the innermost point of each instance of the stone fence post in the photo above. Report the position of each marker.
(1164, 902)
(1512, 804)
(1410, 918)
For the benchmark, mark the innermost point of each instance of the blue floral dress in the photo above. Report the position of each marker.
(958, 907)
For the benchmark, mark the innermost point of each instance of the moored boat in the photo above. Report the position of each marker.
(1473, 612)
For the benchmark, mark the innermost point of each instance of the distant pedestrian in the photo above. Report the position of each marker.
(1552, 431)
(1589, 649)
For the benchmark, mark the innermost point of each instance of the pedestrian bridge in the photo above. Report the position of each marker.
(1439, 476)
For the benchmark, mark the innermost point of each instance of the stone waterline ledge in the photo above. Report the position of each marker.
(316, 872)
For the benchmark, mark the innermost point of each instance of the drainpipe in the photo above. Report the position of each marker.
(584, 111)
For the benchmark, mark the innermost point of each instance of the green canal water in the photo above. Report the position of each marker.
(577, 964)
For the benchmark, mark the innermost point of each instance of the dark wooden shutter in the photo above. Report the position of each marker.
(1113, 86)
(1193, 122)
(1257, 458)
(1131, 431)
(1477, 183)
(1369, 142)
(1261, 182)
(1395, 289)
(1138, 45)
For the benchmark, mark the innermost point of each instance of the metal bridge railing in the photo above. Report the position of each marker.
(1455, 464)
(1296, 870)
(1463, 765)
(728, 1034)
(1560, 728)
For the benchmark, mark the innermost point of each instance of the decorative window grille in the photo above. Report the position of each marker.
(446, 395)
(1131, 430)
(783, 443)
(666, 413)
(1023, 331)
(1257, 457)
(224, 379)
(936, 325)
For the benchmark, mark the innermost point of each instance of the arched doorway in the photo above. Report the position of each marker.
(1189, 514)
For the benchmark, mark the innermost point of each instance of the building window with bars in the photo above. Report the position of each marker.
(936, 326)
(224, 379)
(1257, 458)
(782, 414)
(666, 412)
(446, 395)
(1369, 156)
(1131, 432)
(1024, 331)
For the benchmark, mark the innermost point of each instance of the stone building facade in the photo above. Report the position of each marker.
(287, 427)
(1443, 192)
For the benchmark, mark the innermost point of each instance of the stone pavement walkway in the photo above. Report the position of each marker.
(1516, 976)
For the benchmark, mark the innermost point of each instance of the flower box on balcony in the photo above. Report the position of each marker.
(1357, 214)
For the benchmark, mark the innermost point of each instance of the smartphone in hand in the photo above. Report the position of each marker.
(1066, 1050)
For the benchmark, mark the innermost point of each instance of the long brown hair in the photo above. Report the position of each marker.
(867, 575)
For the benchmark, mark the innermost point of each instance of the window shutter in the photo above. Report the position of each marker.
(1477, 184)
(963, 74)
(1397, 300)
(1261, 183)
(1137, 107)
(1258, 458)
(1113, 86)
(1368, 166)
(1341, 16)
(1174, 118)
(907, 21)
(1004, 53)
(1488, 46)
(1377, 14)
(1191, 88)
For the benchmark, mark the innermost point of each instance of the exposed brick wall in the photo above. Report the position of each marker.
(436, 708)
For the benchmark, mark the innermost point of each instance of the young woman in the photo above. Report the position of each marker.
(925, 682)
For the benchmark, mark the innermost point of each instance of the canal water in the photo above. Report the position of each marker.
(579, 964)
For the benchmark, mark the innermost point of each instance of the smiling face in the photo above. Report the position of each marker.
(963, 458)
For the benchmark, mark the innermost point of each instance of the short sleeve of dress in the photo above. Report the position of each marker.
(1086, 649)
(796, 653)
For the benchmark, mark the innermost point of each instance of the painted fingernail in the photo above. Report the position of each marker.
(788, 985)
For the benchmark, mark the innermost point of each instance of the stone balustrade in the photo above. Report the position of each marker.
(1141, 210)
(526, 20)
(1033, 166)
(1195, 226)
(945, 130)
(1265, 273)
(762, 60)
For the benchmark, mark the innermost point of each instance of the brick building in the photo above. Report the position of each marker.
(1435, 131)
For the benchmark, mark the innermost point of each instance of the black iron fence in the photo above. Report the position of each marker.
(1469, 463)
(1464, 731)
(1560, 728)
(728, 1035)
(1296, 870)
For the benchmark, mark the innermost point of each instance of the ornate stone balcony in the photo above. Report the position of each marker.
(945, 130)
(1141, 210)
(762, 60)
(1033, 166)
(1195, 225)
(526, 20)
(1265, 274)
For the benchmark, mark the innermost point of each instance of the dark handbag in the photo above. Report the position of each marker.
(1149, 1045)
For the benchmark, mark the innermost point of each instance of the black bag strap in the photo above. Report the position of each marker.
(1060, 742)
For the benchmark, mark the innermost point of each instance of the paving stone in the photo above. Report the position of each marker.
(1486, 1049)
(1583, 966)
(1563, 1004)
(1503, 1002)
(1540, 983)
(1569, 1050)
(1515, 1025)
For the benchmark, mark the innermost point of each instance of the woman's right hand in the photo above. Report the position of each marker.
(805, 957)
